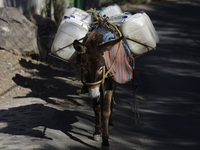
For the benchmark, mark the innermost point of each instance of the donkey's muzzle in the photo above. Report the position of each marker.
(94, 93)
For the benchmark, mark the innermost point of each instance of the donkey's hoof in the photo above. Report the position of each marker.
(105, 147)
(97, 137)
(105, 143)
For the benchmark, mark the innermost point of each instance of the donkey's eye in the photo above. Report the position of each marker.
(100, 70)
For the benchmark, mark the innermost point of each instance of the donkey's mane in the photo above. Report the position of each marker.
(94, 39)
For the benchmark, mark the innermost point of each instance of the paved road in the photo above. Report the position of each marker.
(168, 98)
(169, 78)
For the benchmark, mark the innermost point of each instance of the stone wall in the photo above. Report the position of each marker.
(26, 6)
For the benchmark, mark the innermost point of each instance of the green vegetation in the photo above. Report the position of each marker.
(56, 9)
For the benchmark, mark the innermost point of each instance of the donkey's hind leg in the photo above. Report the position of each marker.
(111, 108)
(111, 117)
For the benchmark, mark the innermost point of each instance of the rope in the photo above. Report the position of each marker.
(67, 45)
(119, 48)
(106, 74)
(136, 111)
(58, 57)
(137, 41)
(94, 83)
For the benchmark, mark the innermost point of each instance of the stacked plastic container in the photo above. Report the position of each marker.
(120, 18)
(75, 25)
(137, 27)
(140, 28)
(77, 16)
(111, 11)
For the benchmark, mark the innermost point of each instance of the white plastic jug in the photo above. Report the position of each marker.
(120, 18)
(139, 27)
(111, 11)
(77, 16)
(150, 25)
(65, 36)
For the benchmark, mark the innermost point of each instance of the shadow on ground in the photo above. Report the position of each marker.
(169, 78)
(49, 81)
(34, 120)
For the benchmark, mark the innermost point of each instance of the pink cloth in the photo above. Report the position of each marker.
(122, 71)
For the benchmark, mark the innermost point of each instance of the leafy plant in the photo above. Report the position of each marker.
(58, 7)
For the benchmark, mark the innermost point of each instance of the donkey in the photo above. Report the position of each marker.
(100, 92)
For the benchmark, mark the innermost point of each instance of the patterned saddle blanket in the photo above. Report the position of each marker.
(122, 71)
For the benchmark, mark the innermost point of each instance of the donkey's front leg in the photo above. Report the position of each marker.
(106, 115)
(97, 112)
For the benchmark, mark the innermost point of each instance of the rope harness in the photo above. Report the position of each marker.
(105, 74)
(95, 83)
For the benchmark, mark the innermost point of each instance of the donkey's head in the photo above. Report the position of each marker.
(92, 61)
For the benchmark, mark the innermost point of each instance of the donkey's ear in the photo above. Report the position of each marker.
(79, 47)
(108, 45)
